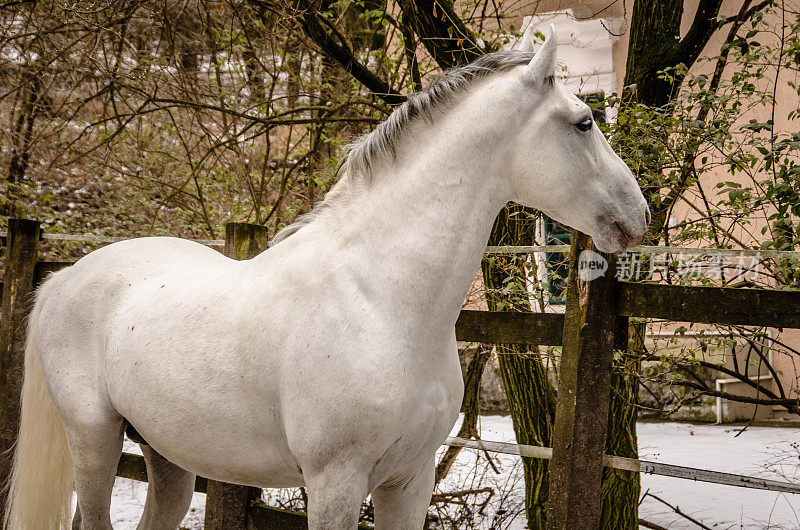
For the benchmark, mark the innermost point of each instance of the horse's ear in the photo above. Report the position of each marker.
(526, 42)
(543, 64)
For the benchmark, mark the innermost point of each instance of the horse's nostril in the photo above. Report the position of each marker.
(647, 216)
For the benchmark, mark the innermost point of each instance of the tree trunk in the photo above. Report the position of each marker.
(654, 27)
(30, 106)
(621, 488)
(532, 400)
(531, 396)
(655, 43)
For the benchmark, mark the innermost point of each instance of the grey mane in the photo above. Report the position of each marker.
(361, 154)
(436, 97)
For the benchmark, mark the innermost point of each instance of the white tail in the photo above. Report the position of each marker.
(40, 487)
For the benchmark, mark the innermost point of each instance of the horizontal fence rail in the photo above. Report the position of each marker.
(650, 249)
(132, 466)
(91, 238)
(505, 249)
(710, 305)
(505, 327)
(632, 464)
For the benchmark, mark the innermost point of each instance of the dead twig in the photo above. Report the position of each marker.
(678, 511)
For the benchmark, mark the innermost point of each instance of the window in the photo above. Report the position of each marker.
(557, 262)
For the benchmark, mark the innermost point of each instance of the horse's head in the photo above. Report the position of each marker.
(562, 164)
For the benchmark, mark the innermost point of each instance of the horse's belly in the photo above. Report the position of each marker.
(204, 410)
(216, 439)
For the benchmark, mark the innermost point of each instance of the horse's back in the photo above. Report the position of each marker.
(133, 255)
(86, 296)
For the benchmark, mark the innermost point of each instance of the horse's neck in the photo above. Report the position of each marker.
(422, 224)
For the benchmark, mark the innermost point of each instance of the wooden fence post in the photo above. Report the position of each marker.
(591, 331)
(245, 240)
(228, 505)
(18, 285)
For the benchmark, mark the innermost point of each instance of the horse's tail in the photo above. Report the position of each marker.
(41, 483)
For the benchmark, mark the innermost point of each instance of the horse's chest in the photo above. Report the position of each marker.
(394, 408)
(424, 415)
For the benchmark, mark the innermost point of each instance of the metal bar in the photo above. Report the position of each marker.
(530, 451)
(632, 464)
(91, 238)
(526, 249)
(132, 466)
(648, 249)
(756, 253)
(506, 249)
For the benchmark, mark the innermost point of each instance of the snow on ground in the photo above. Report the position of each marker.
(703, 446)
(718, 448)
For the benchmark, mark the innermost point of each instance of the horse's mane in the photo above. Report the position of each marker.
(362, 153)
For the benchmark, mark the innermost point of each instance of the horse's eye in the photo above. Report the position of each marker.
(584, 125)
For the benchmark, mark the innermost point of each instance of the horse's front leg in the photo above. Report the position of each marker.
(334, 498)
(404, 503)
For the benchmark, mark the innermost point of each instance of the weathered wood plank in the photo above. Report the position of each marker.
(20, 263)
(711, 305)
(45, 268)
(245, 240)
(265, 517)
(133, 467)
(505, 327)
(591, 330)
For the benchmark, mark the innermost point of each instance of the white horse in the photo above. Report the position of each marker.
(328, 361)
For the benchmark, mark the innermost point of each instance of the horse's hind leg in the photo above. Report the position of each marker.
(169, 492)
(95, 447)
(404, 503)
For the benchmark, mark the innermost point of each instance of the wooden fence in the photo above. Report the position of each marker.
(595, 323)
